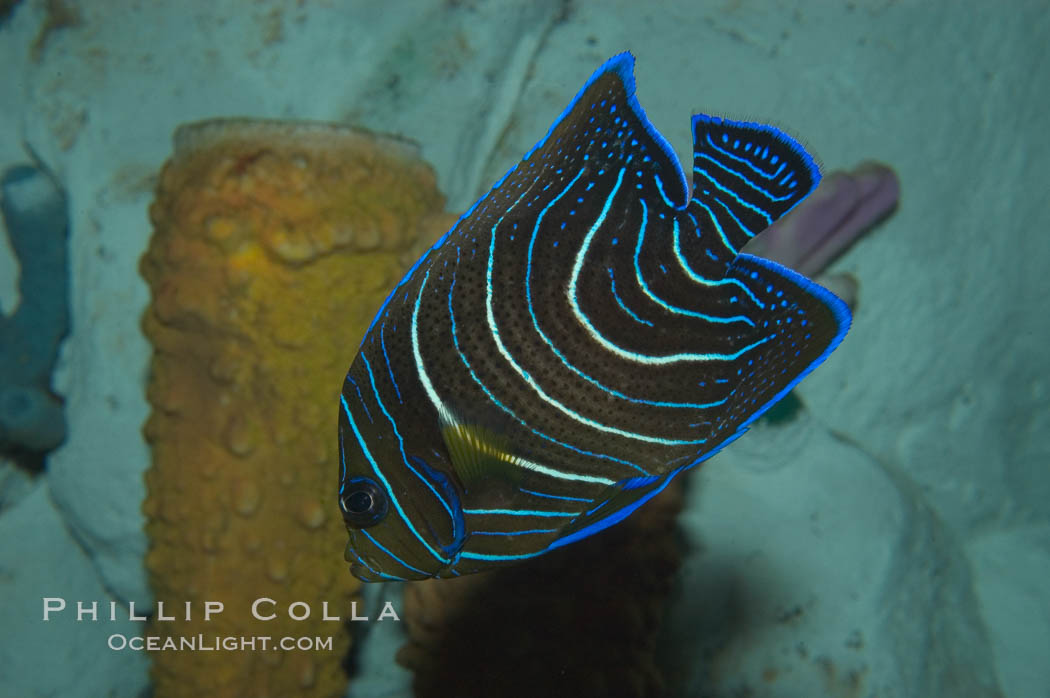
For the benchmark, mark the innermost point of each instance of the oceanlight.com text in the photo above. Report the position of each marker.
(216, 643)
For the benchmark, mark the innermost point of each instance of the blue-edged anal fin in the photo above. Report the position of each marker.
(618, 502)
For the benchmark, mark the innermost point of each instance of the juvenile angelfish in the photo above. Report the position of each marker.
(583, 334)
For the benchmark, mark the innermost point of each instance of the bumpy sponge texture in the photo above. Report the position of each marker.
(273, 246)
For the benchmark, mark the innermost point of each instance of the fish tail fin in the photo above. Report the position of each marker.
(746, 176)
(800, 331)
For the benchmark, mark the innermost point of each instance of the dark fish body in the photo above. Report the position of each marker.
(584, 333)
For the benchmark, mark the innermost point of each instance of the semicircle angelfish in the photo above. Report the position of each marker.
(583, 334)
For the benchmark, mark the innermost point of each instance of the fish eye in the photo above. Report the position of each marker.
(362, 502)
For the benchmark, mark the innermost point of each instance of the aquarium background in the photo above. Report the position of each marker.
(892, 538)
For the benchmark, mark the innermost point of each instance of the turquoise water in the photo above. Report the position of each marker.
(887, 536)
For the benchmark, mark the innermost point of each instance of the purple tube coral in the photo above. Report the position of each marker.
(844, 207)
(818, 231)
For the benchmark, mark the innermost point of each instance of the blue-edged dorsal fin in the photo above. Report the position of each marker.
(607, 121)
(745, 177)
(479, 453)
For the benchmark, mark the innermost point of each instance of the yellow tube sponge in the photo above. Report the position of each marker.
(273, 246)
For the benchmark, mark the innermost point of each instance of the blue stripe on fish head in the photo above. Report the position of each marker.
(403, 515)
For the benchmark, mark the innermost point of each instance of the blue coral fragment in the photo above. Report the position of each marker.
(35, 212)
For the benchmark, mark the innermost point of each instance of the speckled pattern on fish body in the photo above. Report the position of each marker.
(584, 333)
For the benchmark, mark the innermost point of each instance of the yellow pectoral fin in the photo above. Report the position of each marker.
(479, 453)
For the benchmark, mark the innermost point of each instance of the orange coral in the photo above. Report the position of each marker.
(273, 246)
(580, 621)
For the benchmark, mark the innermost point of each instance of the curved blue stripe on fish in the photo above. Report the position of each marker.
(503, 558)
(514, 533)
(697, 278)
(836, 305)
(394, 557)
(374, 574)
(443, 499)
(555, 496)
(713, 219)
(747, 182)
(660, 188)
(623, 306)
(360, 398)
(519, 512)
(449, 498)
(455, 515)
(389, 368)
(342, 465)
(748, 162)
(615, 516)
(393, 497)
(644, 285)
(750, 232)
(584, 333)
(488, 393)
(561, 356)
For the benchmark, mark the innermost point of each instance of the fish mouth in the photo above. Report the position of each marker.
(360, 566)
(363, 573)
(368, 569)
